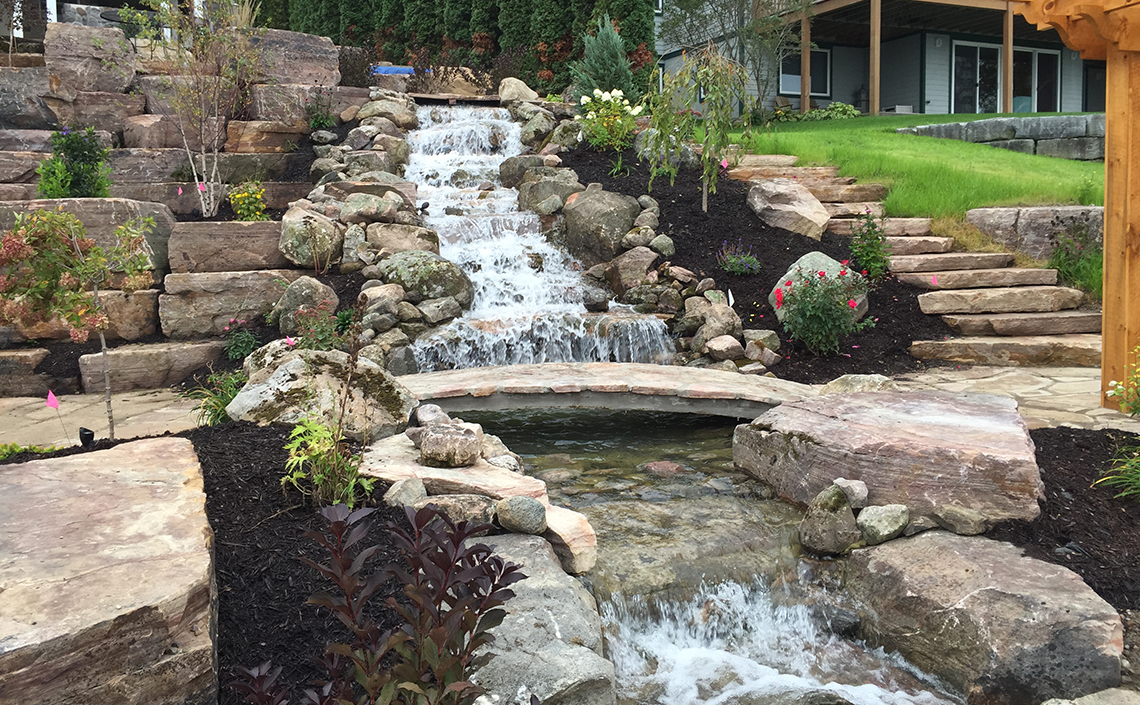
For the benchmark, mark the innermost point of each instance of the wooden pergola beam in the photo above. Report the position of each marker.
(805, 65)
(1007, 60)
(875, 71)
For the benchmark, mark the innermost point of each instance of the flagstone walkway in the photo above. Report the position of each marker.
(1046, 396)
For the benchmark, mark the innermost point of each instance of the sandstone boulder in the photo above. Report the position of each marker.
(783, 203)
(921, 449)
(308, 383)
(38, 140)
(130, 317)
(201, 305)
(596, 221)
(20, 167)
(22, 105)
(514, 89)
(263, 136)
(847, 384)
(304, 293)
(449, 446)
(810, 265)
(161, 132)
(474, 508)
(88, 58)
(231, 246)
(395, 237)
(151, 366)
(310, 239)
(996, 625)
(629, 269)
(429, 275)
(110, 111)
(293, 57)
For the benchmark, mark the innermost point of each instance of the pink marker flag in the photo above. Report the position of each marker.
(202, 188)
(934, 280)
(52, 401)
(289, 341)
(179, 190)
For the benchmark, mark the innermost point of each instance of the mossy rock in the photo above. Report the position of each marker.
(429, 275)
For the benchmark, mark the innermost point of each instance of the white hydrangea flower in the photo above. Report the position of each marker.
(636, 111)
(617, 92)
(606, 96)
(598, 92)
(590, 115)
(585, 99)
(625, 102)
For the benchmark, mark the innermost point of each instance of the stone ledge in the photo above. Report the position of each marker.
(147, 366)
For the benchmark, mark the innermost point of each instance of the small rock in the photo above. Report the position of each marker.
(474, 508)
(707, 284)
(767, 338)
(486, 186)
(664, 245)
(638, 237)
(521, 515)
(349, 113)
(405, 311)
(881, 524)
(664, 468)
(429, 415)
(449, 446)
(961, 520)
(919, 524)
(723, 366)
(322, 137)
(551, 160)
(855, 490)
(859, 383)
(437, 311)
(753, 368)
(405, 493)
(828, 528)
(725, 347)
(648, 202)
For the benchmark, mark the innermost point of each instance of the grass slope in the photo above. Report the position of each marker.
(930, 177)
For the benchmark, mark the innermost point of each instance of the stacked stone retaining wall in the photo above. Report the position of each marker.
(1065, 136)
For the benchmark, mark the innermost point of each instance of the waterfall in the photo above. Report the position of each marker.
(528, 300)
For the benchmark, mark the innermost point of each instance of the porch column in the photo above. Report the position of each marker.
(1007, 61)
(1099, 30)
(805, 64)
(876, 54)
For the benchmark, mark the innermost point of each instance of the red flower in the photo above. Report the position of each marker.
(843, 262)
(852, 303)
(864, 272)
(823, 274)
(843, 272)
(779, 298)
(788, 283)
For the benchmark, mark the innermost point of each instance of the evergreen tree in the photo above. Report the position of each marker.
(485, 18)
(515, 24)
(457, 20)
(423, 20)
(604, 65)
(357, 21)
(390, 32)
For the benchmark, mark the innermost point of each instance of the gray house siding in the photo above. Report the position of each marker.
(937, 73)
(901, 73)
(849, 69)
(1072, 81)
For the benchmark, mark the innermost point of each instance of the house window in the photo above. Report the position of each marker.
(1035, 85)
(658, 7)
(820, 73)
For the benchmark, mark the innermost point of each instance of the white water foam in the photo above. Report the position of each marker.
(730, 645)
(528, 299)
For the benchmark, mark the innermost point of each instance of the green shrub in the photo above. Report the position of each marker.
(820, 309)
(77, 167)
(737, 259)
(213, 398)
(1127, 393)
(869, 247)
(608, 122)
(1079, 261)
(240, 342)
(1124, 474)
(7, 450)
(318, 328)
(604, 65)
(321, 465)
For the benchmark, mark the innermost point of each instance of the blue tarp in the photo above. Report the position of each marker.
(392, 70)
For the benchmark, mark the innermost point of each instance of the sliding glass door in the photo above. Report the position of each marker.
(1035, 85)
(977, 78)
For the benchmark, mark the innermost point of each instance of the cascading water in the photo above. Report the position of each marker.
(528, 301)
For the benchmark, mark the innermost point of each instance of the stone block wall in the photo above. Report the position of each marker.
(1034, 230)
(1065, 136)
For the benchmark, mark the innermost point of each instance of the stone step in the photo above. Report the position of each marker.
(979, 278)
(919, 245)
(893, 227)
(1073, 350)
(226, 247)
(19, 167)
(278, 194)
(1016, 299)
(767, 160)
(854, 209)
(1045, 323)
(148, 366)
(847, 193)
(1020, 299)
(149, 166)
(950, 260)
(777, 172)
(37, 140)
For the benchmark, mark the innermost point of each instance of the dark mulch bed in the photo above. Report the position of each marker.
(1081, 527)
(62, 361)
(698, 236)
(225, 214)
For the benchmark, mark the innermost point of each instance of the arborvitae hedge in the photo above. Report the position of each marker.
(457, 20)
(515, 24)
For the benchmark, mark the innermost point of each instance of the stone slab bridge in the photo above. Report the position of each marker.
(605, 385)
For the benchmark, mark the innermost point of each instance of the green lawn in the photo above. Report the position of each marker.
(928, 176)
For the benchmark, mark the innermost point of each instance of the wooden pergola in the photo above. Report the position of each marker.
(1102, 29)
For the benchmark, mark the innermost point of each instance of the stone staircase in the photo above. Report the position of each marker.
(1007, 315)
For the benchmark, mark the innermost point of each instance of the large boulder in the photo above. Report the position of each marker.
(783, 203)
(395, 237)
(537, 128)
(810, 265)
(922, 449)
(596, 221)
(429, 275)
(161, 132)
(229, 246)
(514, 89)
(22, 105)
(512, 169)
(402, 113)
(540, 183)
(293, 57)
(201, 305)
(79, 621)
(88, 58)
(304, 293)
(263, 136)
(994, 624)
(568, 134)
(294, 384)
(110, 111)
(550, 643)
(1035, 230)
(450, 445)
(368, 208)
(151, 366)
(310, 239)
(630, 268)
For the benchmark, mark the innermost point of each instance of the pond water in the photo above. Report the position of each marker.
(699, 581)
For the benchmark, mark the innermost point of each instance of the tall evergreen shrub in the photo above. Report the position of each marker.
(604, 65)
(457, 20)
(515, 24)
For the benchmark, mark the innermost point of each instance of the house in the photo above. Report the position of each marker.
(934, 56)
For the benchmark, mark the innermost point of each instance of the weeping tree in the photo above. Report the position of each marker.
(673, 121)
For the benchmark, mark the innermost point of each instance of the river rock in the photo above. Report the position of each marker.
(512, 169)
(629, 269)
(395, 237)
(596, 221)
(923, 449)
(304, 293)
(514, 89)
(295, 384)
(201, 305)
(881, 524)
(521, 515)
(310, 239)
(550, 643)
(366, 208)
(664, 245)
(783, 203)
(994, 624)
(88, 58)
(719, 319)
(828, 528)
(855, 490)
(429, 275)
(810, 265)
(381, 299)
(537, 129)
(436, 311)
(405, 493)
(449, 446)
(859, 383)
(539, 184)
(725, 347)
(92, 561)
(402, 114)
(474, 508)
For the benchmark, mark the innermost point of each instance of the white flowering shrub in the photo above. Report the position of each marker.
(607, 120)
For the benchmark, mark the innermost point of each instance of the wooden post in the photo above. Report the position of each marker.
(876, 53)
(1099, 30)
(1007, 61)
(805, 64)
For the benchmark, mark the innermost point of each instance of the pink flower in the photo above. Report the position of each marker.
(864, 272)
(852, 304)
(723, 163)
(788, 283)
(289, 341)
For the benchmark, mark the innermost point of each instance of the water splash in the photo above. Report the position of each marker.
(528, 298)
(731, 645)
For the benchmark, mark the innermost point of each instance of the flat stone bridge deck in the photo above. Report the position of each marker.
(605, 385)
